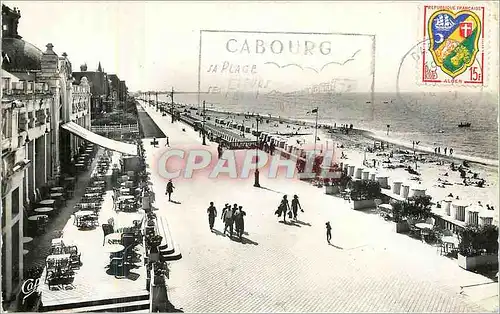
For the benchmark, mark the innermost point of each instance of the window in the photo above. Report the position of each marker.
(4, 261)
(15, 202)
(3, 212)
(4, 27)
(15, 254)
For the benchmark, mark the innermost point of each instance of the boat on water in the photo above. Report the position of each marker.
(464, 125)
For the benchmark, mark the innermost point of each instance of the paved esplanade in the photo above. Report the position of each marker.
(287, 268)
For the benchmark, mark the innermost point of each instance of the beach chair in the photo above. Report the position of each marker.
(377, 203)
(107, 229)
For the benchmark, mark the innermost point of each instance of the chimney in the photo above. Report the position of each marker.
(83, 67)
(50, 60)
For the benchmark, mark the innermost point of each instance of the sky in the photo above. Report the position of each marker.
(155, 45)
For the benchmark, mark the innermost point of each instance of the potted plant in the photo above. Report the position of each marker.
(478, 246)
(152, 242)
(417, 208)
(364, 193)
(397, 216)
(344, 181)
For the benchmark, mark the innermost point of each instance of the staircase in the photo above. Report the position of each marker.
(138, 303)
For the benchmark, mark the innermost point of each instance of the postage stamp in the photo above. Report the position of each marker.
(453, 50)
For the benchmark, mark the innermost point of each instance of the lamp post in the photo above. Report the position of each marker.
(172, 106)
(203, 126)
(256, 183)
(315, 130)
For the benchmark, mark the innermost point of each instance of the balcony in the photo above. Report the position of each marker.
(6, 143)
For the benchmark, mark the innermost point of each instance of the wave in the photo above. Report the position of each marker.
(421, 148)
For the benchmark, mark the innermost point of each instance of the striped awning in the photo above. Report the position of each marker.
(102, 141)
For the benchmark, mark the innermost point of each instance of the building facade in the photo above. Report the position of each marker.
(38, 95)
(99, 87)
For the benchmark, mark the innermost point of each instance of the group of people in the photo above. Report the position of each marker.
(284, 208)
(437, 150)
(233, 218)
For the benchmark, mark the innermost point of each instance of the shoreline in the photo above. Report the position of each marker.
(370, 134)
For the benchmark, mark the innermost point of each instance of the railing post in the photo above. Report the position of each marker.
(151, 281)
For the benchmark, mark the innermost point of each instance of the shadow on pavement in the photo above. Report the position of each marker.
(248, 241)
(264, 188)
(172, 309)
(303, 223)
(175, 202)
(217, 232)
(337, 247)
(290, 223)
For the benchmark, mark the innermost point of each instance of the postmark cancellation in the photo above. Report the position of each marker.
(454, 45)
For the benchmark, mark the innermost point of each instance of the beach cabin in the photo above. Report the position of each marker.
(472, 214)
(485, 217)
(417, 190)
(458, 210)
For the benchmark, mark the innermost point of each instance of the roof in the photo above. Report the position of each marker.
(21, 56)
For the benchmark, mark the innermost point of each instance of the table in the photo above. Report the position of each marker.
(58, 257)
(57, 189)
(57, 242)
(27, 239)
(387, 207)
(124, 190)
(113, 248)
(450, 240)
(35, 217)
(125, 197)
(83, 213)
(47, 202)
(25, 252)
(44, 209)
(424, 225)
(113, 238)
(56, 195)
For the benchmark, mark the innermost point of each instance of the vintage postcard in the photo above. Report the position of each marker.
(205, 157)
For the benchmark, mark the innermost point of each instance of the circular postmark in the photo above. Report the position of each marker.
(409, 78)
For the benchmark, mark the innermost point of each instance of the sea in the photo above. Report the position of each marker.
(431, 119)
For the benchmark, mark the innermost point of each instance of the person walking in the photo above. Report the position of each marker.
(226, 207)
(285, 207)
(295, 206)
(234, 209)
(228, 220)
(170, 190)
(212, 213)
(167, 143)
(219, 151)
(328, 232)
(240, 222)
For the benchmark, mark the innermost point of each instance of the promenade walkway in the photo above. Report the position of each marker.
(290, 267)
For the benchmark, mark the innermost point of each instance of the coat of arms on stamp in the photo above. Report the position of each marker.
(454, 51)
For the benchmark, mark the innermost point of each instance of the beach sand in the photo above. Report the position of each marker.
(355, 144)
